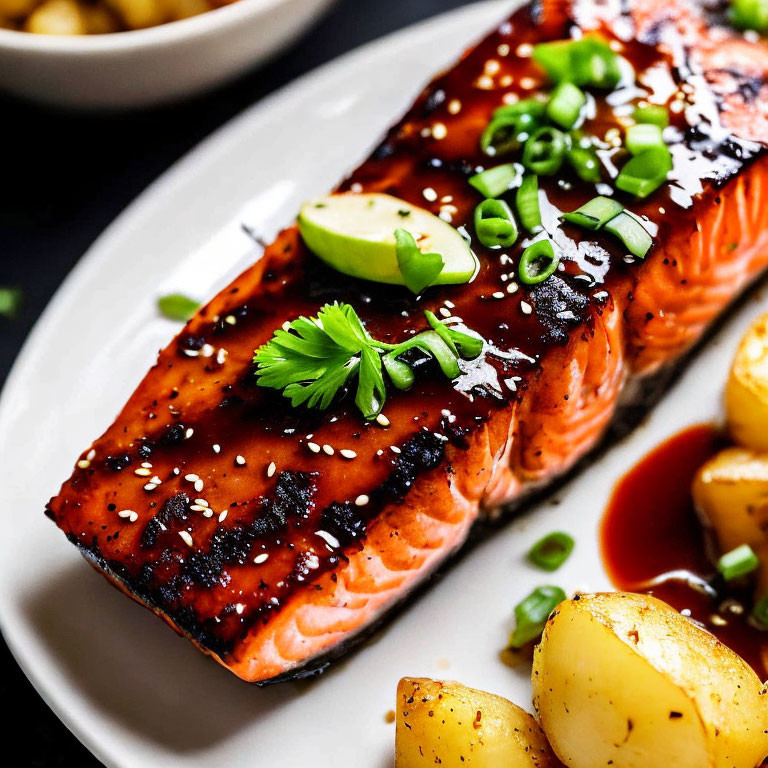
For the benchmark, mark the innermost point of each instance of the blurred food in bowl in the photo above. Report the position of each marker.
(97, 17)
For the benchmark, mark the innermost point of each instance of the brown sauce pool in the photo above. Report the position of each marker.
(653, 543)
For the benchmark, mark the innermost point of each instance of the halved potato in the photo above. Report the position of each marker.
(447, 724)
(624, 680)
(746, 394)
(731, 495)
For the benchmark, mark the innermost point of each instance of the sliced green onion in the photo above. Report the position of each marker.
(586, 62)
(631, 232)
(496, 181)
(527, 202)
(750, 14)
(10, 301)
(595, 214)
(551, 551)
(538, 262)
(585, 163)
(495, 224)
(652, 113)
(177, 306)
(510, 126)
(644, 136)
(565, 105)
(419, 269)
(544, 151)
(760, 612)
(531, 614)
(738, 562)
(645, 172)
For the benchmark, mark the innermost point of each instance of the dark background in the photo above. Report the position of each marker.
(63, 178)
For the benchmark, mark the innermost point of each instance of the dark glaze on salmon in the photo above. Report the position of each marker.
(271, 535)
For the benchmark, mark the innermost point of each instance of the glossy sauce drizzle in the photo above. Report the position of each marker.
(652, 542)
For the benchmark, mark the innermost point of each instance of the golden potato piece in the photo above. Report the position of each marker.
(731, 495)
(447, 724)
(99, 20)
(16, 9)
(746, 394)
(183, 9)
(138, 14)
(57, 17)
(624, 680)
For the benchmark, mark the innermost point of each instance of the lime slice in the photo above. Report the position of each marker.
(355, 234)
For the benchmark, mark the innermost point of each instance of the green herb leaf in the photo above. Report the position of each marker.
(176, 306)
(531, 614)
(419, 270)
(314, 358)
(10, 301)
(551, 551)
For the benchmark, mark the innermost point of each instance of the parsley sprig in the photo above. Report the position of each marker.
(314, 357)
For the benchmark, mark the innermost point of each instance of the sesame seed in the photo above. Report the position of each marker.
(240, 460)
(271, 469)
(394, 449)
(506, 80)
(83, 463)
(142, 472)
(445, 312)
(314, 447)
(223, 516)
(221, 356)
(347, 453)
(216, 448)
(492, 67)
(449, 304)
(125, 513)
(287, 325)
(484, 83)
(498, 294)
(429, 194)
(527, 83)
(382, 420)
(146, 464)
(91, 455)
(191, 352)
(503, 50)
(524, 50)
(239, 608)
(526, 308)
(208, 513)
(230, 319)
(328, 538)
(361, 500)
(134, 516)
(186, 537)
(189, 433)
(191, 478)
(207, 350)
(199, 485)
(198, 507)
(439, 131)
(262, 558)
(202, 502)
(512, 287)
(454, 106)
(150, 486)
(328, 449)
(156, 480)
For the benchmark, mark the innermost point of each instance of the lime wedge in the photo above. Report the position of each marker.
(355, 234)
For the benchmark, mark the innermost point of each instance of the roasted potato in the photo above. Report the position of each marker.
(624, 680)
(731, 495)
(447, 724)
(746, 394)
(56, 17)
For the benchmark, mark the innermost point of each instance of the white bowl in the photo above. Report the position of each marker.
(150, 66)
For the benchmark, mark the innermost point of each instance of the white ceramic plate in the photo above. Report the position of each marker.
(136, 694)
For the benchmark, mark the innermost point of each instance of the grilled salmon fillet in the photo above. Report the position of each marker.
(272, 536)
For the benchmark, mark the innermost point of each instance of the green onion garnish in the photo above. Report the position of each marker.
(177, 306)
(419, 270)
(750, 14)
(631, 232)
(652, 113)
(496, 181)
(527, 202)
(595, 214)
(585, 163)
(760, 612)
(544, 151)
(531, 614)
(551, 551)
(644, 136)
(565, 105)
(645, 172)
(538, 262)
(495, 224)
(738, 562)
(10, 301)
(510, 126)
(586, 62)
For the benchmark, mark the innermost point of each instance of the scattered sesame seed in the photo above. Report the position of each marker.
(429, 194)
(454, 106)
(439, 131)
(191, 478)
(449, 304)
(207, 350)
(223, 516)
(191, 352)
(239, 608)
(492, 67)
(380, 452)
(382, 420)
(503, 50)
(484, 83)
(176, 471)
(83, 463)
(150, 486)
(347, 453)
(271, 469)
(329, 539)
(189, 433)
(146, 464)
(361, 500)
(199, 485)
(498, 294)
(230, 319)
(661, 210)
(524, 50)
(91, 455)
(142, 472)
(198, 507)
(527, 83)
(240, 460)
(526, 308)
(221, 356)
(216, 448)
(156, 480)
(125, 513)
(512, 287)
(208, 513)
(394, 449)
(202, 502)
(328, 449)
(262, 558)
(186, 538)
(314, 447)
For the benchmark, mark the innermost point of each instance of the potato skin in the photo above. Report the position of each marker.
(448, 724)
(624, 680)
(730, 492)
(746, 393)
